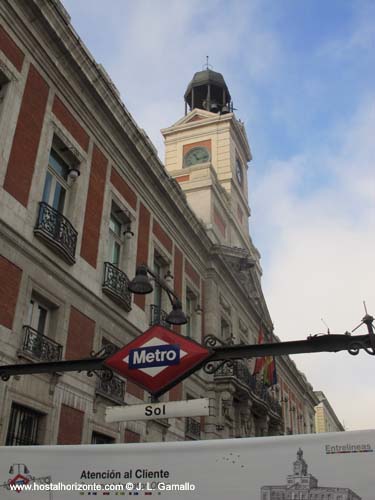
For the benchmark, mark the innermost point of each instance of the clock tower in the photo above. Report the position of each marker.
(207, 153)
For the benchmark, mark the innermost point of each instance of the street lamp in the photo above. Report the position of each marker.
(25, 469)
(74, 173)
(128, 233)
(142, 285)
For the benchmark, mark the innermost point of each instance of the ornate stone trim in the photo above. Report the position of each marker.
(225, 304)
(6, 71)
(73, 147)
(243, 328)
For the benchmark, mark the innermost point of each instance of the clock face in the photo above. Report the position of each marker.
(239, 172)
(196, 155)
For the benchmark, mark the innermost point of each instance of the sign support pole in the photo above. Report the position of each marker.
(314, 343)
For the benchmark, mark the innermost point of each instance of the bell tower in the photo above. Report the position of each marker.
(208, 90)
(207, 153)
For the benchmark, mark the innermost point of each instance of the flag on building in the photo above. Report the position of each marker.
(265, 366)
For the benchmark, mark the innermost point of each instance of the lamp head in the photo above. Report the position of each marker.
(177, 315)
(198, 309)
(128, 233)
(168, 278)
(140, 284)
(74, 173)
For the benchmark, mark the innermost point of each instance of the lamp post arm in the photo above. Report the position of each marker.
(171, 295)
(76, 365)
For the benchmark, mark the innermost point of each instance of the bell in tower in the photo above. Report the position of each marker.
(208, 90)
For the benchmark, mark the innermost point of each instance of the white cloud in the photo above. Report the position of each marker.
(321, 258)
(163, 43)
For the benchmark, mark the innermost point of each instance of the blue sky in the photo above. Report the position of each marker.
(301, 74)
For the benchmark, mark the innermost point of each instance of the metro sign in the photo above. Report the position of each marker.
(158, 359)
(148, 357)
(19, 480)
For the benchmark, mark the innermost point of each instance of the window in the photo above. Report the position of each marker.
(98, 438)
(158, 270)
(39, 315)
(24, 426)
(56, 188)
(115, 282)
(158, 314)
(119, 228)
(3, 90)
(189, 311)
(115, 241)
(41, 322)
(52, 224)
(192, 327)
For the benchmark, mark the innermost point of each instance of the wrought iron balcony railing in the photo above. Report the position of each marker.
(56, 231)
(241, 372)
(158, 316)
(113, 389)
(115, 285)
(39, 346)
(192, 428)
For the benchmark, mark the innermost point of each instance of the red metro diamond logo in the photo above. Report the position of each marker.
(18, 481)
(158, 359)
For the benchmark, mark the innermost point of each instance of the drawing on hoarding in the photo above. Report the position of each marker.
(329, 466)
(302, 486)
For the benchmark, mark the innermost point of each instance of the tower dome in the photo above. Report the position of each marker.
(208, 90)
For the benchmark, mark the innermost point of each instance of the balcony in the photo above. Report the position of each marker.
(57, 232)
(158, 316)
(240, 374)
(39, 346)
(192, 428)
(115, 285)
(113, 389)
(239, 371)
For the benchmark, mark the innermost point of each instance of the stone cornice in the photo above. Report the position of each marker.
(239, 129)
(299, 381)
(185, 124)
(329, 408)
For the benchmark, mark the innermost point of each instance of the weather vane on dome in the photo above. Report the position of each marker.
(207, 65)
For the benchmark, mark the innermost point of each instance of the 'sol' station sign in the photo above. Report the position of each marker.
(189, 408)
(158, 359)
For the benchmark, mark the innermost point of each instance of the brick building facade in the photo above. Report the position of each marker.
(77, 177)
